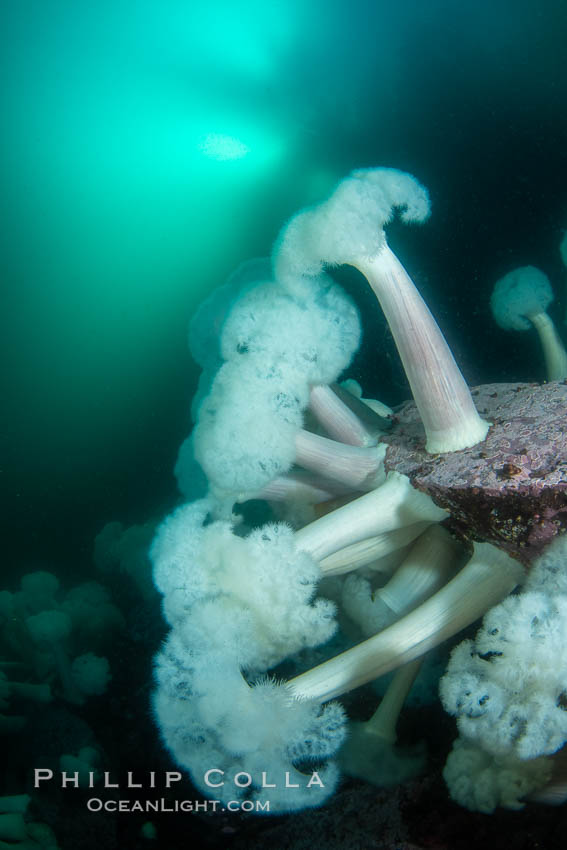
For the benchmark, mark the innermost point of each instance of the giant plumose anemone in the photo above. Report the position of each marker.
(273, 423)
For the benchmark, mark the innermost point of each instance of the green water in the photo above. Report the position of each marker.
(148, 148)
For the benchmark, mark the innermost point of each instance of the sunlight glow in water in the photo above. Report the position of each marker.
(222, 148)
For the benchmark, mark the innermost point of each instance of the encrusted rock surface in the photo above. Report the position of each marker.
(511, 489)
(415, 816)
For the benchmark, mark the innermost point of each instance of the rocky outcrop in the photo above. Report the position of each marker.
(511, 489)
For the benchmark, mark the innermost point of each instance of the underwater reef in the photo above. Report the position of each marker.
(337, 573)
